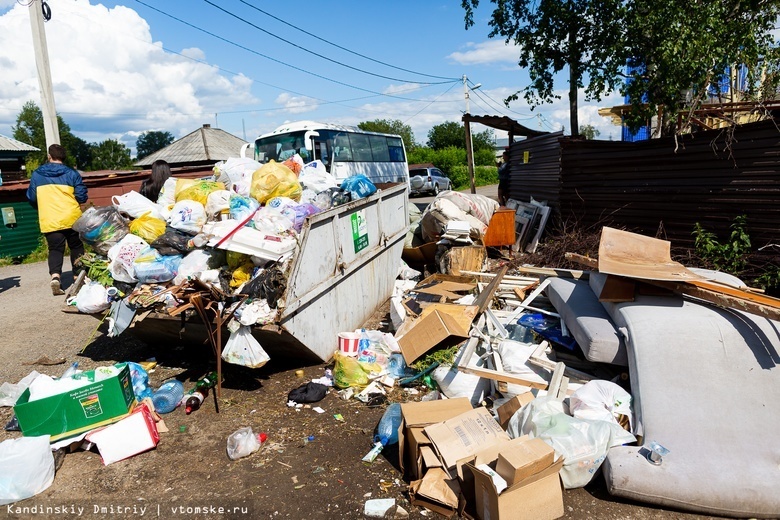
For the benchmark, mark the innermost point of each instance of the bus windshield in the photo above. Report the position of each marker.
(281, 147)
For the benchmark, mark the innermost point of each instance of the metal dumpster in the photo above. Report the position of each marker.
(344, 269)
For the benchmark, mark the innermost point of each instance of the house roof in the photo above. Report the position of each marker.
(512, 127)
(205, 144)
(8, 144)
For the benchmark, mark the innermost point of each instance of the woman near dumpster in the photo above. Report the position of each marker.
(151, 187)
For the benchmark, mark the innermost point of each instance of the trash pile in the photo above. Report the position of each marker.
(218, 247)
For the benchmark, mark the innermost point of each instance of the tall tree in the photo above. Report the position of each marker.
(111, 155)
(394, 126)
(29, 129)
(151, 141)
(589, 132)
(452, 133)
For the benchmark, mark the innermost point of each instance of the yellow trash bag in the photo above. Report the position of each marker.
(181, 185)
(349, 371)
(199, 192)
(235, 259)
(147, 227)
(242, 274)
(274, 180)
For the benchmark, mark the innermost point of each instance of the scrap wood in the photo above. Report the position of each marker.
(521, 293)
(552, 271)
(485, 296)
(538, 359)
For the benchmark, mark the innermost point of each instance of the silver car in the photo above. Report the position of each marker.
(428, 180)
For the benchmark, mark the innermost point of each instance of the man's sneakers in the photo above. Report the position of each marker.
(56, 289)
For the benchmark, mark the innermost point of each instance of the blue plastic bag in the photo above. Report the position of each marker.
(140, 380)
(241, 207)
(358, 186)
(548, 328)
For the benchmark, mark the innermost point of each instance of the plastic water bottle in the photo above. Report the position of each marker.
(168, 396)
(72, 369)
(387, 431)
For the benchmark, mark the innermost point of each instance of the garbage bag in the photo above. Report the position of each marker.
(152, 267)
(268, 285)
(293, 211)
(26, 468)
(243, 349)
(199, 192)
(274, 180)
(308, 393)
(583, 443)
(270, 221)
(122, 255)
(173, 242)
(167, 195)
(295, 163)
(134, 205)
(604, 400)
(188, 216)
(358, 186)
(140, 380)
(348, 372)
(101, 228)
(241, 207)
(314, 176)
(147, 227)
(195, 262)
(217, 202)
(92, 298)
(236, 173)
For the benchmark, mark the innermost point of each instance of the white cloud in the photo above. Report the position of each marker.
(406, 88)
(6, 3)
(490, 51)
(296, 104)
(112, 75)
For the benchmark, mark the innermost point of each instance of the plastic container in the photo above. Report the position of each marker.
(387, 431)
(244, 442)
(168, 396)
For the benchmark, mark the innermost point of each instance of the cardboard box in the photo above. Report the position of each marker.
(435, 329)
(538, 497)
(509, 408)
(79, 410)
(415, 416)
(464, 435)
(436, 491)
(520, 462)
(132, 435)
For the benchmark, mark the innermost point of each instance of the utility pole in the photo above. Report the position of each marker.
(467, 126)
(50, 127)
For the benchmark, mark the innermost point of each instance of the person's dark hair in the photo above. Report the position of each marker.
(151, 187)
(57, 152)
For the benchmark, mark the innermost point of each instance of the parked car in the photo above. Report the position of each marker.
(428, 180)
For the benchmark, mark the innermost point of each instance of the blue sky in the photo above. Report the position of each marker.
(246, 66)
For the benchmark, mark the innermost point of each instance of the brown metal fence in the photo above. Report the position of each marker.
(661, 184)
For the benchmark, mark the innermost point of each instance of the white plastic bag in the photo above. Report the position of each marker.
(242, 443)
(583, 443)
(314, 176)
(236, 173)
(195, 262)
(188, 216)
(122, 255)
(454, 384)
(26, 468)
(601, 400)
(9, 392)
(167, 195)
(134, 204)
(92, 298)
(217, 202)
(243, 349)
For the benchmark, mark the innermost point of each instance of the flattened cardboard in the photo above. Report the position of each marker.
(436, 491)
(509, 408)
(522, 461)
(436, 329)
(420, 255)
(539, 497)
(417, 415)
(464, 435)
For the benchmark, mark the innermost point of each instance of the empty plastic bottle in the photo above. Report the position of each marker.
(195, 399)
(168, 396)
(387, 431)
(72, 369)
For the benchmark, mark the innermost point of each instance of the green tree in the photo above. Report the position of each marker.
(452, 133)
(111, 155)
(589, 132)
(149, 142)
(81, 151)
(29, 129)
(394, 126)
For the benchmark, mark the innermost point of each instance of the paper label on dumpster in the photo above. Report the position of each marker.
(359, 231)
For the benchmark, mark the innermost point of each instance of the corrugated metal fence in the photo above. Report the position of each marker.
(710, 178)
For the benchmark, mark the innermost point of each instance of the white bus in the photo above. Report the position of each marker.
(344, 150)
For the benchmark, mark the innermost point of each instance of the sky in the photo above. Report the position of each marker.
(123, 68)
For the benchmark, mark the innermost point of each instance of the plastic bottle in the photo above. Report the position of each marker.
(168, 396)
(244, 442)
(195, 399)
(72, 369)
(387, 431)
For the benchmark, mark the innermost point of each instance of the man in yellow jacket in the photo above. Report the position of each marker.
(56, 191)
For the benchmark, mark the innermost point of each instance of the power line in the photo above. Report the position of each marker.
(356, 69)
(269, 57)
(429, 104)
(343, 48)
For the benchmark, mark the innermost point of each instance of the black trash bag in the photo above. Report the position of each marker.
(172, 242)
(268, 285)
(308, 393)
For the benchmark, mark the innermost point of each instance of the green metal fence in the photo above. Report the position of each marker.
(22, 239)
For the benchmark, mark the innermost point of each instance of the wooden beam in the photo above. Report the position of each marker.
(587, 261)
(483, 300)
(501, 376)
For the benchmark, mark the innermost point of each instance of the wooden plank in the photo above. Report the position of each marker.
(483, 300)
(562, 273)
(501, 376)
(550, 365)
(723, 300)
(555, 382)
(587, 261)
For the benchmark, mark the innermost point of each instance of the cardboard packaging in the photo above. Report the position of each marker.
(79, 410)
(436, 491)
(464, 436)
(415, 417)
(524, 460)
(436, 329)
(132, 435)
(538, 497)
(509, 408)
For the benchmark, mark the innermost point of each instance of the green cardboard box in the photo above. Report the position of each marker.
(79, 410)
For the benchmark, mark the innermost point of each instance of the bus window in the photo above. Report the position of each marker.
(379, 148)
(395, 149)
(341, 149)
(361, 148)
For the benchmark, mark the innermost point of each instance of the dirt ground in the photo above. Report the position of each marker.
(289, 478)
